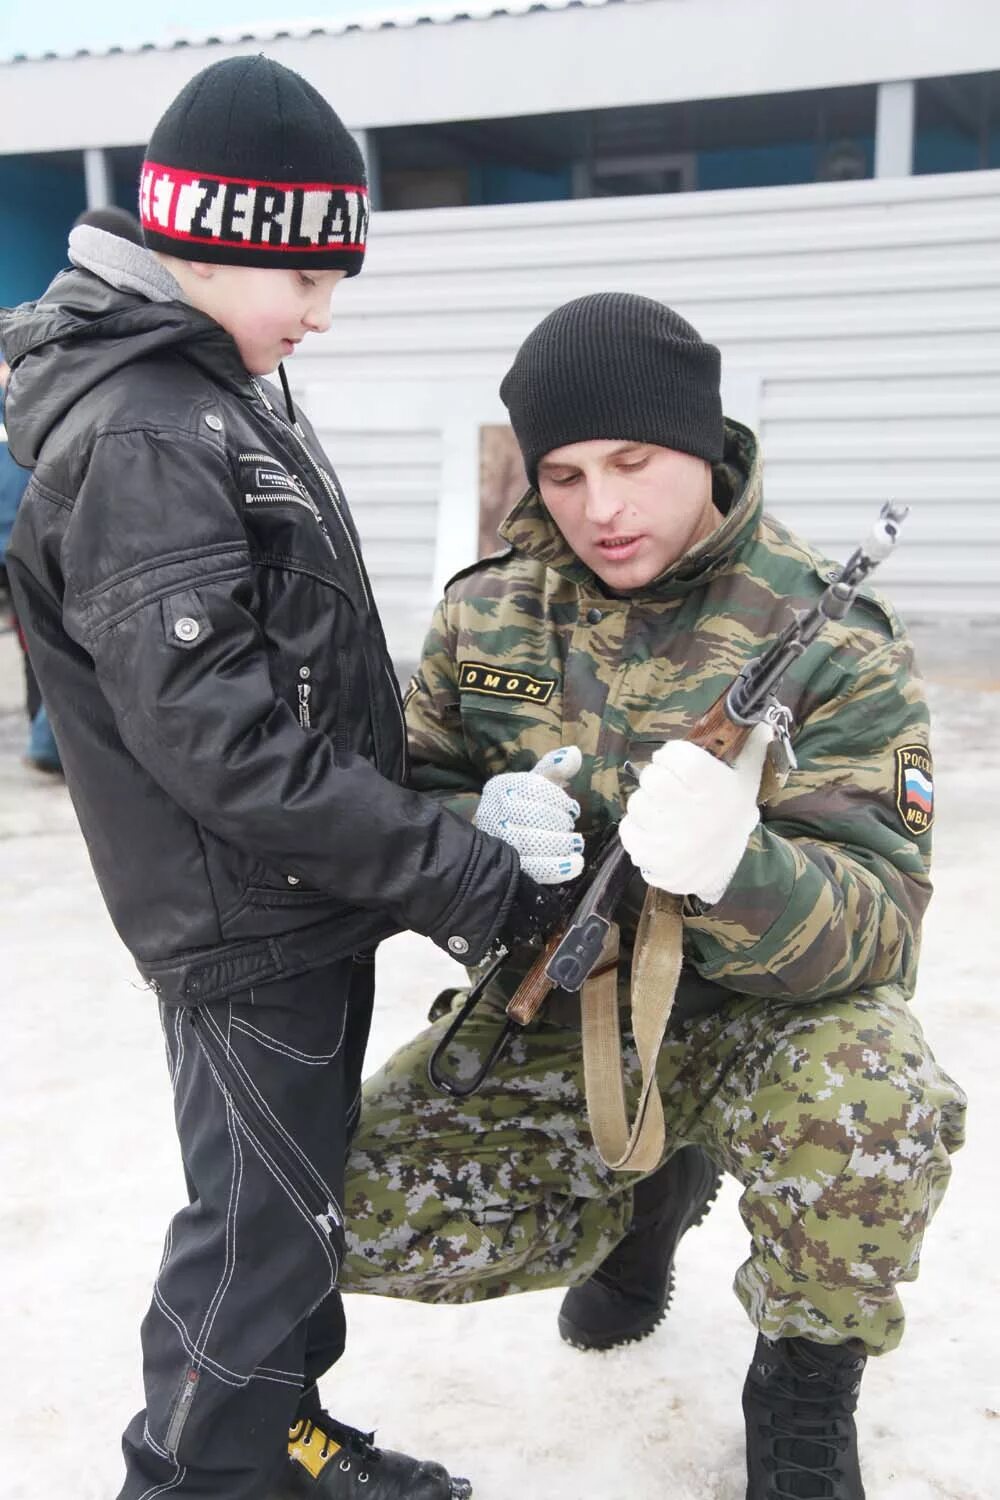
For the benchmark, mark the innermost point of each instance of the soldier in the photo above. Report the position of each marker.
(641, 572)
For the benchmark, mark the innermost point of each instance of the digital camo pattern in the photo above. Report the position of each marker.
(831, 891)
(832, 1113)
(834, 1117)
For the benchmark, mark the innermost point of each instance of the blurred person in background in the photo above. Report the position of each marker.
(13, 482)
(42, 752)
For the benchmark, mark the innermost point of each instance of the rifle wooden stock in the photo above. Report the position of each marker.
(527, 1000)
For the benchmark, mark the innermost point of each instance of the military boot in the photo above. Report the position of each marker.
(328, 1461)
(799, 1401)
(629, 1293)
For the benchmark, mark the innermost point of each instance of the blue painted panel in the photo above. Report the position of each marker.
(769, 166)
(498, 184)
(951, 151)
(37, 207)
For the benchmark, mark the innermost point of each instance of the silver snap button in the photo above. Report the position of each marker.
(303, 672)
(187, 629)
(594, 617)
(458, 945)
(211, 420)
(293, 880)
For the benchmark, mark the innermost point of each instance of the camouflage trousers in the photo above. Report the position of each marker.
(834, 1117)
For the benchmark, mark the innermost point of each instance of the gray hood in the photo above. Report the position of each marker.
(115, 306)
(123, 265)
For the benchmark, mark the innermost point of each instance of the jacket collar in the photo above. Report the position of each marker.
(737, 486)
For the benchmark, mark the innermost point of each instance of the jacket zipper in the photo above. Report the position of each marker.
(328, 487)
(284, 497)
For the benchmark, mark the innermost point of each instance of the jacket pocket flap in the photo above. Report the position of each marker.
(185, 619)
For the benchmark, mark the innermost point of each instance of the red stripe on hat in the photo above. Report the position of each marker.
(181, 174)
(203, 209)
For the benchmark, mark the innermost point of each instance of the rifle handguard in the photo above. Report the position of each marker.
(530, 995)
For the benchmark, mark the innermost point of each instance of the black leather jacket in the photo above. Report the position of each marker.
(190, 584)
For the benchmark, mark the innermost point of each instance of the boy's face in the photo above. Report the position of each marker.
(266, 311)
(628, 510)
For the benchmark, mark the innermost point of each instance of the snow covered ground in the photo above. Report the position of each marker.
(90, 1176)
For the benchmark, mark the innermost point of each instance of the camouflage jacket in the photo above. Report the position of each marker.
(527, 651)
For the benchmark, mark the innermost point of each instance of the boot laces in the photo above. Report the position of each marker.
(338, 1437)
(811, 1407)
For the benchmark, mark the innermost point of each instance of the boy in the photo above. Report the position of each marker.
(190, 584)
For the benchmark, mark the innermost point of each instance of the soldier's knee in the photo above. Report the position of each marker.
(852, 1099)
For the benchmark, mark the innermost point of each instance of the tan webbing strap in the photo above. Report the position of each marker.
(656, 970)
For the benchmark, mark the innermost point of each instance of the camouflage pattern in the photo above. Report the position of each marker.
(804, 1073)
(833, 885)
(834, 1117)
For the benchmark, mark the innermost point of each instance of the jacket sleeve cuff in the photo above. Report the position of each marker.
(470, 925)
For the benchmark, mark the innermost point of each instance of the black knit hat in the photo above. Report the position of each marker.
(250, 166)
(614, 365)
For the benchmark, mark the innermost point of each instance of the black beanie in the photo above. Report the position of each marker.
(614, 366)
(250, 166)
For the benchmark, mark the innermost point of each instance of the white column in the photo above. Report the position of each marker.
(369, 150)
(895, 114)
(97, 175)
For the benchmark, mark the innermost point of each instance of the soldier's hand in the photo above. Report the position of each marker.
(687, 825)
(531, 811)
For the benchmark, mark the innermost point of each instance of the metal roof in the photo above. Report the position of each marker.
(392, 18)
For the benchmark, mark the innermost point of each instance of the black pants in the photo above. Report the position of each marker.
(245, 1316)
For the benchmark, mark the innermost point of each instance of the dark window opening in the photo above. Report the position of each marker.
(958, 124)
(697, 145)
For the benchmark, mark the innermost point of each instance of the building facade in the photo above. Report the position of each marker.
(817, 187)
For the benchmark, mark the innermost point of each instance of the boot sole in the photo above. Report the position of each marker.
(578, 1338)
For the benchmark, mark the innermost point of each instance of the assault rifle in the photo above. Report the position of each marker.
(571, 953)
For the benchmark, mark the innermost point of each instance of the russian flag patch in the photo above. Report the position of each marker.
(915, 787)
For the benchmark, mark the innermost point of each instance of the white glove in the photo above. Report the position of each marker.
(687, 825)
(531, 811)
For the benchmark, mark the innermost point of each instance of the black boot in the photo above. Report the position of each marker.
(799, 1401)
(328, 1461)
(630, 1291)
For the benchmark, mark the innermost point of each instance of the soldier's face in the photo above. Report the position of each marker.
(628, 510)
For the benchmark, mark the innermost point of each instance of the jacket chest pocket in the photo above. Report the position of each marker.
(283, 516)
(506, 735)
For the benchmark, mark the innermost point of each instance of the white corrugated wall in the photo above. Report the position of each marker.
(860, 331)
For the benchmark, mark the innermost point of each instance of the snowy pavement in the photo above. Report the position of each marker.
(90, 1176)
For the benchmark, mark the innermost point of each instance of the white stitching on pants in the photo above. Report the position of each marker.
(266, 1109)
(297, 1201)
(310, 1058)
(148, 1439)
(287, 1187)
(229, 1257)
(161, 1489)
(227, 1376)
